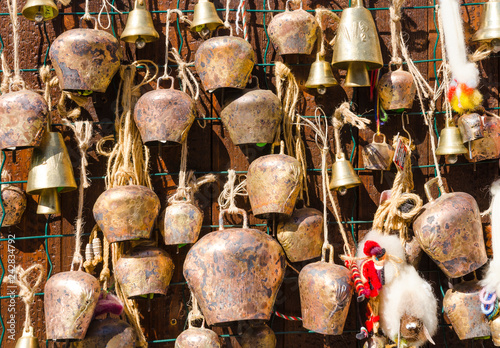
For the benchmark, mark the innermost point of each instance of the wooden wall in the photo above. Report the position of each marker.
(49, 240)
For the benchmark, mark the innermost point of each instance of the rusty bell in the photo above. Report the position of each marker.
(180, 223)
(396, 90)
(14, 202)
(487, 147)
(258, 336)
(197, 337)
(108, 333)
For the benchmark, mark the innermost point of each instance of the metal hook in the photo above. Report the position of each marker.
(404, 128)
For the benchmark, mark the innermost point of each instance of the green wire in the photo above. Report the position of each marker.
(1, 223)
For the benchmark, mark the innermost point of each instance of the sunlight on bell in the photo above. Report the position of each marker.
(321, 90)
(140, 43)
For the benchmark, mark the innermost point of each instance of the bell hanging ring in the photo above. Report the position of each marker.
(205, 18)
(378, 156)
(321, 75)
(471, 127)
(139, 28)
(343, 175)
(396, 90)
(108, 333)
(40, 10)
(489, 28)
(27, 340)
(450, 142)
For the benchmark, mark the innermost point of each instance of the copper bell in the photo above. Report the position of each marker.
(378, 156)
(301, 234)
(164, 115)
(449, 230)
(321, 75)
(27, 340)
(108, 333)
(144, 270)
(450, 143)
(205, 18)
(488, 147)
(180, 223)
(40, 10)
(293, 32)
(325, 295)
(357, 48)
(495, 331)
(258, 336)
(197, 337)
(235, 273)
(85, 60)
(69, 302)
(252, 116)
(126, 212)
(14, 203)
(224, 61)
(51, 173)
(343, 175)
(471, 127)
(396, 90)
(273, 184)
(489, 30)
(23, 119)
(463, 308)
(139, 28)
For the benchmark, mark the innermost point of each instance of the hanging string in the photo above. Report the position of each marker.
(227, 25)
(16, 80)
(343, 115)
(86, 16)
(195, 313)
(7, 74)
(104, 8)
(227, 198)
(482, 52)
(242, 9)
(320, 12)
(395, 13)
(27, 291)
(188, 80)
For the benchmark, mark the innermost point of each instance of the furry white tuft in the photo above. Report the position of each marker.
(491, 281)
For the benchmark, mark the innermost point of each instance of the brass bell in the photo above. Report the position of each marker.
(489, 30)
(320, 75)
(27, 340)
(343, 175)
(40, 10)
(139, 28)
(50, 173)
(205, 18)
(450, 142)
(357, 47)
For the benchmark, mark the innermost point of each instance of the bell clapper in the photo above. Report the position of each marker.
(342, 190)
(321, 90)
(205, 32)
(39, 15)
(495, 45)
(452, 159)
(140, 43)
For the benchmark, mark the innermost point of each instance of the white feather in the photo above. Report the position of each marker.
(491, 280)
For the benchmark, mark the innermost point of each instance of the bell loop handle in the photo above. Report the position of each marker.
(329, 247)
(340, 156)
(289, 1)
(90, 18)
(381, 135)
(236, 211)
(28, 332)
(140, 4)
(429, 184)
(165, 78)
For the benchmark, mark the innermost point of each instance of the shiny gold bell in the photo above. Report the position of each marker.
(343, 175)
(357, 47)
(27, 340)
(205, 18)
(489, 30)
(140, 28)
(450, 142)
(320, 75)
(40, 10)
(50, 173)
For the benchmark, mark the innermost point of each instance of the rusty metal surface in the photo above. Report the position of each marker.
(144, 270)
(325, 295)
(126, 212)
(14, 202)
(378, 155)
(471, 127)
(69, 302)
(108, 333)
(293, 32)
(23, 116)
(85, 59)
(164, 115)
(396, 90)
(224, 61)
(197, 337)
(258, 336)
(488, 147)
(180, 223)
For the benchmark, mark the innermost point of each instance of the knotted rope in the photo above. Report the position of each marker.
(395, 13)
(227, 198)
(27, 291)
(341, 116)
(13, 81)
(195, 313)
(320, 12)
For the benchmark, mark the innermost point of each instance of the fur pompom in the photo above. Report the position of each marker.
(464, 98)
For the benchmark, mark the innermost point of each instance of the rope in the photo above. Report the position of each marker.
(320, 12)
(341, 116)
(227, 198)
(186, 76)
(395, 13)
(482, 52)
(287, 317)
(104, 7)
(227, 25)
(105, 272)
(93, 251)
(195, 313)
(87, 16)
(241, 9)
(27, 291)
(16, 80)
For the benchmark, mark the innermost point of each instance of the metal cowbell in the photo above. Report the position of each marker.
(357, 47)
(197, 337)
(180, 223)
(224, 61)
(205, 18)
(378, 155)
(471, 127)
(450, 142)
(489, 28)
(14, 203)
(139, 28)
(27, 340)
(321, 75)
(108, 333)
(85, 60)
(40, 10)
(396, 90)
(343, 175)
(488, 147)
(258, 335)
(50, 173)
(23, 119)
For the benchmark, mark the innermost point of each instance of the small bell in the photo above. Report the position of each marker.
(378, 155)
(320, 75)
(27, 340)
(139, 28)
(343, 175)
(489, 30)
(396, 90)
(50, 173)
(14, 204)
(471, 127)
(180, 223)
(40, 10)
(205, 18)
(258, 336)
(450, 143)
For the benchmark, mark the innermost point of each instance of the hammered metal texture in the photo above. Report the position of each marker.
(449, 230)
(108, 333)
(463, 308)
(258, 336)
(487, 147)
(235, 274)
(273, 184)
(301, 234)
(85, 59)
(396, 90)
(14, 201)
(181, 223)
(293, 32)
(23, 117)
(126, 212)
(164, 115)
(252, 116)
(224, 61)
(325, 295)
(69, 302)
(144, 270)
(197, 337)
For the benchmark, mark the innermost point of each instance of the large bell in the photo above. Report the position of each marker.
(320, 75)
(108, 333)
(50, 173)
(205, 18)
(27, 340)
(343, 175)
(139, 28)
(489, 29)
(450, 142)
(357, 47)
(40, 10)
